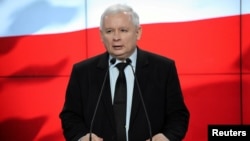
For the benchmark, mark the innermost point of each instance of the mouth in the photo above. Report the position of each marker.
(117, 46)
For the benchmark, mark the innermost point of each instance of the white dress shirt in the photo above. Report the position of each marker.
(113, 72)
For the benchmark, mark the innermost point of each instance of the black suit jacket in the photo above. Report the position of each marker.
(160, 88)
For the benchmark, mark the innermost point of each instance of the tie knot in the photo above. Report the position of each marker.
(121, 66)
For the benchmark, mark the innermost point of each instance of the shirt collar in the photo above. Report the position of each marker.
(132, 58)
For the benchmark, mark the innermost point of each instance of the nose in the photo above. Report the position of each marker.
(116, 36)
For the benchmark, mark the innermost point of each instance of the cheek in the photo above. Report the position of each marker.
(135, 39)
(105, 40)
(129, 38)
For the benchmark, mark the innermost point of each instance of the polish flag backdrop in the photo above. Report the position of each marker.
(40, 40)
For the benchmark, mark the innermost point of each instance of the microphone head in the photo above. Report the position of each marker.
(128, 61)
(112, 61)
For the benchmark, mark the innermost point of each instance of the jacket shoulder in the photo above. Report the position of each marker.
(157, 58)
(92, 61)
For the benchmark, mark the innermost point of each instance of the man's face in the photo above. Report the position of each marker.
(120, 35)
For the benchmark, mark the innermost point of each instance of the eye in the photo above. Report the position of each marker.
(124, 30)
(108, 31)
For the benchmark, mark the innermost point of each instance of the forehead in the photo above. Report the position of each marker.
(121, 18)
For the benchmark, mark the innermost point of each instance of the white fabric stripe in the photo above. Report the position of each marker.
(56, 16)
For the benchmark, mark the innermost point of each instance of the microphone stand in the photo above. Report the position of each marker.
(112, 61)
(140, 94)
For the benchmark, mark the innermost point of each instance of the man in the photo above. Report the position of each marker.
(155, 107)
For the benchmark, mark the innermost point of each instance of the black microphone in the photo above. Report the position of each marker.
(112, 61)
(128, 61)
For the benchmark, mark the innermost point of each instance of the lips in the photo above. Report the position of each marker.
(117, 46)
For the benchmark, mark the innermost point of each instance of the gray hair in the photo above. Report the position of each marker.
(117, 8)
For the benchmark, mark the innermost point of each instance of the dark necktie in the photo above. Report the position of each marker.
(120, 102)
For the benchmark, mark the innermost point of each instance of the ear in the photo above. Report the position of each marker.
(101, 36)
(139, 32)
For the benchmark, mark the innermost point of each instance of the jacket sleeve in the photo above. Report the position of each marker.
(177, 113)
(71, 115)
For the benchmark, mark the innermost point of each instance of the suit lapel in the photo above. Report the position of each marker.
(107, 102)
(141, 71)
(106, 99)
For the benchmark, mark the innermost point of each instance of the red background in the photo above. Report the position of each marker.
(212, 58)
